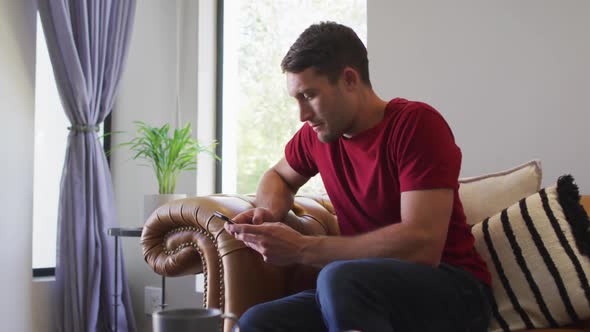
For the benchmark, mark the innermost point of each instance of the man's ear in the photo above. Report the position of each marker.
(350, 77)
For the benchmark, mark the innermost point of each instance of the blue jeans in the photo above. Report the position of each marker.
(379, 294)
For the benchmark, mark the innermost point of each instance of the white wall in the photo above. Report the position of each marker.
(511, 77)
(42, 313)
(17, 82)
(148, 93)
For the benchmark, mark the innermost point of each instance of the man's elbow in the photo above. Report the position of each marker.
(427, 257)
(429, 250)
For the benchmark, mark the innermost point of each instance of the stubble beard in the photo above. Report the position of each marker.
(328, 137)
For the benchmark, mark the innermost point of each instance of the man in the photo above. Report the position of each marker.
(405, 260)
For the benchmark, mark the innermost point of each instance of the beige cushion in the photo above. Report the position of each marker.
(486, 195)
(537, 253)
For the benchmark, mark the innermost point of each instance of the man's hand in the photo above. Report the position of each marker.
(254, 216)
(278, 243)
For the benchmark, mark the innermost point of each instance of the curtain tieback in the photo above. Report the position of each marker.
(83, 128)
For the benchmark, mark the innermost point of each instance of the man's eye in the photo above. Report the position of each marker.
(307, 96)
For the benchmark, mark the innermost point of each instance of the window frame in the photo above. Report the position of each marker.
(219, 95)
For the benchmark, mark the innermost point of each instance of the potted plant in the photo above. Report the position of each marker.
(168, 155)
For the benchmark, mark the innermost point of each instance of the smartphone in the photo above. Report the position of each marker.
(223, 217)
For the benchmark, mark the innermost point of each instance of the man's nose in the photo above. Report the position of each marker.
(305, 112)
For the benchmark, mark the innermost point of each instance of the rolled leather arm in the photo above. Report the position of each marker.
(183, 237)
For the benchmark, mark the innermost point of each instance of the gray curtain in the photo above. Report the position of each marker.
(87, 42)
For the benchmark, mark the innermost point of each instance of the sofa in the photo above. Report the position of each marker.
(183, 237)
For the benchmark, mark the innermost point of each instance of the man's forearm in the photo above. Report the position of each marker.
(394, 241)
(420, 237)
(274, 194)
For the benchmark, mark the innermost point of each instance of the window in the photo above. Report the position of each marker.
(50, 147)
(259, 117)
(51, 136)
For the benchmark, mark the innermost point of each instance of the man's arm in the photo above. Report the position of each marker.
(275, 194)
(419, 237)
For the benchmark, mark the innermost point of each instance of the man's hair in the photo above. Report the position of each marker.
(328, 47)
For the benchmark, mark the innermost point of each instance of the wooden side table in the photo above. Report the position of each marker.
(127, 232)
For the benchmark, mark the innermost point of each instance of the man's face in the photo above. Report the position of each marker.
(325, 106)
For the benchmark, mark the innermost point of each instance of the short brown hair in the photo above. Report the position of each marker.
(328, 47)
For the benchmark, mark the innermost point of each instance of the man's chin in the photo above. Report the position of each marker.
(327, 137)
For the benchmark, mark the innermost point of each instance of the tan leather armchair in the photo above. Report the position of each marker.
(183, 237)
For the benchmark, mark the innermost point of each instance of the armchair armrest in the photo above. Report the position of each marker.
(183, 237)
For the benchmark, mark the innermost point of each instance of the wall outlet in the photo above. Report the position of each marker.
(152, 299)
(200, 283)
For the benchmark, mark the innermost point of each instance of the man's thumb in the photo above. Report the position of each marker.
(258, 217)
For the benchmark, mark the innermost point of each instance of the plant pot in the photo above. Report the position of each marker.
(152, 202)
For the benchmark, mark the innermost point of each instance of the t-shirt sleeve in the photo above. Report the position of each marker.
(298, 152)
(424, 150)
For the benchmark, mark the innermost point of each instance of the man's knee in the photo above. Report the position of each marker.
(337, 276)
(345, 277)
(254, 318)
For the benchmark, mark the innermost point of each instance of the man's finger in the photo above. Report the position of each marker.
(244, 217)
(251, 238)
(251, 241)
(258, 216)
(245, 228)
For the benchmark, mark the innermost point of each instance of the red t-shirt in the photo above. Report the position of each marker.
(412, 148)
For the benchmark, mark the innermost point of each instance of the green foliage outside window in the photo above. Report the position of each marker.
(267, 116)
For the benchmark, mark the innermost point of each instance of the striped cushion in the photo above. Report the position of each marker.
(538, 251)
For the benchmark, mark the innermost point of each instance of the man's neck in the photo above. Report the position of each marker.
(371, 112)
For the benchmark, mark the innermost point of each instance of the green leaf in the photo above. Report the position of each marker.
(168, 154)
